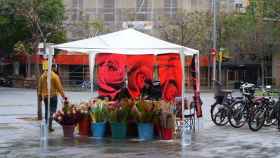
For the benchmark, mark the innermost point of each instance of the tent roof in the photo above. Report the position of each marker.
(127, 41)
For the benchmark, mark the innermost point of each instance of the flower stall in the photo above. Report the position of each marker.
(130, 56)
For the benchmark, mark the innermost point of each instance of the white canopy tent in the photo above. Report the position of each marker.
(127, 41)
(130, 42)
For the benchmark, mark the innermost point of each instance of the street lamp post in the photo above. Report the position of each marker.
(214, 8)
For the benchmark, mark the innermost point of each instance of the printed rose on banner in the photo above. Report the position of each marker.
(110, 74)
(171, 90)
(137, 78)
(170, 75)
(140, 69)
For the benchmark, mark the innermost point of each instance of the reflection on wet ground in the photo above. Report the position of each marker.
(210, 142)
(20, 138)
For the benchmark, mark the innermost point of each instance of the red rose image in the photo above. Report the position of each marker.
(170, 75)
(170, 90)
(140, 69)
(110, 74)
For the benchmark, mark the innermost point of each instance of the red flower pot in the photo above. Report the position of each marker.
(84, 127)
(166, 133)
(68, 130)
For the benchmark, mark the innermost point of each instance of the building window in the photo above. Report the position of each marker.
(170, 7)
(109, 10)
(143, 10)
(194, 4)
(77, 6)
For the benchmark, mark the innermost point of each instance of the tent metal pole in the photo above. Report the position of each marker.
(198, 72)
(182, 57)
(91, 72)
(50, 51)
(198, 82)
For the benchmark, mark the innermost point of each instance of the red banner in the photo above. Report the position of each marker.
(140, 69)
(72, 59)
(110, 74)
(170, 75)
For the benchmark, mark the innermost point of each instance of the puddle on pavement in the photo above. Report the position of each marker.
(79, 146)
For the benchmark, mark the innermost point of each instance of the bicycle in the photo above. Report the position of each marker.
(264, 114)
(272, 111)
(239, 112)
(220, 109)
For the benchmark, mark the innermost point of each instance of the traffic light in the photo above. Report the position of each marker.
(223, 57)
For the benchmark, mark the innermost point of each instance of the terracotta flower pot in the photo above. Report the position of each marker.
(68, 130)
(84, 127)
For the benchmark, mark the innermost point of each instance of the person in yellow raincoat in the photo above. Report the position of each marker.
(56, 89)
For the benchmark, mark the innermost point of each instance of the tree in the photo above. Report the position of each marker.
(255, 32)
(190, 29)
(12, 27)
(43, 18)
(30, 21)
(81, 26)
(92, 28)
(25, 23)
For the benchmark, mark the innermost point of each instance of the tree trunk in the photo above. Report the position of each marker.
(37, 70)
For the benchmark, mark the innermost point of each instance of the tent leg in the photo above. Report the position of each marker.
(197, 91)
(91, 72)
(182, 57)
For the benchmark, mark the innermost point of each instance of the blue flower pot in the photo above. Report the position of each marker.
(119, 130)
(145, 131)
(98, 129)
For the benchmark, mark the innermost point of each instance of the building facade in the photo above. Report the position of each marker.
(142, 14)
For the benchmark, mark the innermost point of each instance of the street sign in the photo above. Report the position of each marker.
(213, 51)
(41, 50)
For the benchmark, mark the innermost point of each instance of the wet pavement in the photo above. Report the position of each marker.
(20, 136)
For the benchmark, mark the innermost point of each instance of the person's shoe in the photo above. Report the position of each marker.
(51, 130)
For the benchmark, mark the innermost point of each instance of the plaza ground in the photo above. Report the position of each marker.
(20, 136)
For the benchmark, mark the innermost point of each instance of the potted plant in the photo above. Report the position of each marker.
(68, 117)
(84, 123)
(146, 112)
(167, 120)
(99, 114)
(119, 113)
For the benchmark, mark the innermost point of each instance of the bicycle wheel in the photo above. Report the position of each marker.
(256, 118)
(270, 118)
(219, 114)
(238, 114)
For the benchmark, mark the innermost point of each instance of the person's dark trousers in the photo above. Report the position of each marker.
(53, 107)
